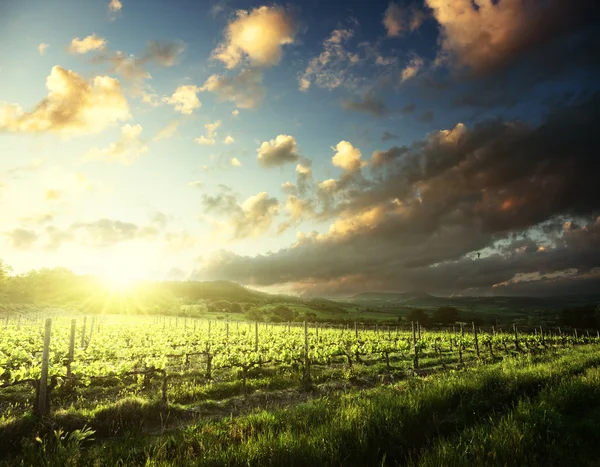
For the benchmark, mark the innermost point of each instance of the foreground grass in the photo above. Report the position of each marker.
(524, 411)
(520, 412)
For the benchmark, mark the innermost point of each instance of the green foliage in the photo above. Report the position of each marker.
(254, 314)
(446, 315)
(57, 449)
(419, 316)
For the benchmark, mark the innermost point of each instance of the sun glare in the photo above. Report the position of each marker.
(121, 275)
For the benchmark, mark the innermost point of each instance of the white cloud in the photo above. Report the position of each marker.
(185, 99)
(258, 35)
(73, 106)
(235, 113)
(211, 133)
(42, 48)
(87, 44)
(128, 148)
(277, 151)
(235, 162)
(115, 5)
(347, 157)
(228, 139)
(411, 70)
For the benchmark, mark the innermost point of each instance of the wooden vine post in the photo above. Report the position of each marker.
(71, 346)
(91, 330)
(83, 332)
(516, 336)
(306, 359)
(460, 345)
(256, 335)
(43, 388)
(414, 338)
(476, 340)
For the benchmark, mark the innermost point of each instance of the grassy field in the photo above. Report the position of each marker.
(525, 410)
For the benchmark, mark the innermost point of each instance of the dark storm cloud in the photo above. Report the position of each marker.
(562, 43)
(456, 192)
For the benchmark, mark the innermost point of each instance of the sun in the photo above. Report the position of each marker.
(120, 274)
(118, 281)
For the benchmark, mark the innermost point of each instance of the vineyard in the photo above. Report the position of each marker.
(54, 360)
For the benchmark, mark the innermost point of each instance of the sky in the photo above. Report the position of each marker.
(317, 147)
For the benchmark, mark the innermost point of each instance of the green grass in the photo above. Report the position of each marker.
(530, 410)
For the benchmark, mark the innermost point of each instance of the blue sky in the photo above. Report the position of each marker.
(103, 107)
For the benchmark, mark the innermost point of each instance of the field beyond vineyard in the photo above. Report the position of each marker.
(156, 390)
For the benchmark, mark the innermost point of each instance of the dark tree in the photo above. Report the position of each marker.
(446, 315)
(420, 316)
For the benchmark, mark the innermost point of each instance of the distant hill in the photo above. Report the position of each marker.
(421, 299)
(191, 291)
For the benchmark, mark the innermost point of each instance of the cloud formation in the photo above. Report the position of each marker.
(165, 54)
(397, 20)
(211, 133)
(330, 68)
(168, 131)
(251, 218)
(488, 35)
(258, 35)
(277, 152)
(367, 103)
(489, 187)
(42, 48)
(347, 157)
(126, 150)
(245, 89)
(411, 69)
(185, 99)
(115, 5)
(87, 44)
(73, 106)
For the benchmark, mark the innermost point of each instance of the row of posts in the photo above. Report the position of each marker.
(42, 402)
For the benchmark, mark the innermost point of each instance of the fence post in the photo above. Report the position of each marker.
(43, 388)
(256, 335)
(414, 335)
(306, 360)
(71, 346)
(476, 340)
(83, 332)
(91, 330)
